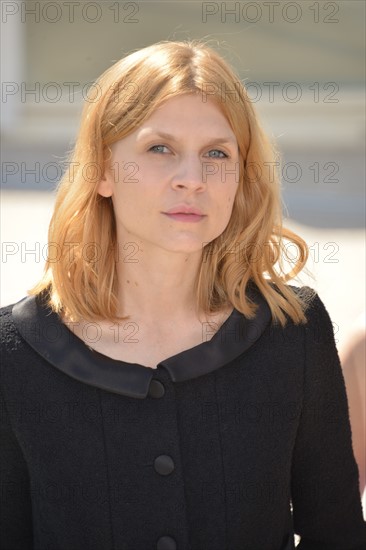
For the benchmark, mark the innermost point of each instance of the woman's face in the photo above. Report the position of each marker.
(173, 180)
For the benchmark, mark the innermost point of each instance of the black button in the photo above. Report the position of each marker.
(156, 389)
(164, 465)
(166, 543)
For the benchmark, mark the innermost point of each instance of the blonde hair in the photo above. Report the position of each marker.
(85, 286)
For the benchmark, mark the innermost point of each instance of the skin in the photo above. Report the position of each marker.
(352, 356)
(158, 266)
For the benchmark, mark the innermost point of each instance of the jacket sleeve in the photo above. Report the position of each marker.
(16, 532)
(325, 493)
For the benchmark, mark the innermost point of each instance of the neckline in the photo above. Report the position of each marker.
(65, 351)
(92, 351)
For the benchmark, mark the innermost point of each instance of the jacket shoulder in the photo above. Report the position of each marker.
(319, 323)
(10, 337)
(313, 306)
(7, 325)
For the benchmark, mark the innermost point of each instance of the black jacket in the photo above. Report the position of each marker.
(234, 444)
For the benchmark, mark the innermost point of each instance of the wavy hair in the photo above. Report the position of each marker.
(80, 274)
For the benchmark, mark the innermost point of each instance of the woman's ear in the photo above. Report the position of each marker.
(105, 187)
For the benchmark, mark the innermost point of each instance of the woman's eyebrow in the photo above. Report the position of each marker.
(224, 139)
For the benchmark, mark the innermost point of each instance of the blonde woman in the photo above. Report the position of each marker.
(163, 386)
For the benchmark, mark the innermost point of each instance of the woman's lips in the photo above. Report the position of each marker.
(180, 217)
(185, 213)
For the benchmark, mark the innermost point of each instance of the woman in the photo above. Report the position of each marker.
(163, 386)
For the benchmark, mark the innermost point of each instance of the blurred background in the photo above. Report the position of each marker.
(303, 64)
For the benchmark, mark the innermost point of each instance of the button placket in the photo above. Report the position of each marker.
(163, 465)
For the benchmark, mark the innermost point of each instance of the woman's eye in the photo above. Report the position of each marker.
(218, 154)
(157, 148)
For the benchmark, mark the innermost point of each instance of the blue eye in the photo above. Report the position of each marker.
(218, 151)
(154, 148)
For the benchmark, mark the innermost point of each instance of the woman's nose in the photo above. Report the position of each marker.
(190, 174)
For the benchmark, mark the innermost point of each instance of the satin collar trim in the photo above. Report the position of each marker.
(44, 331)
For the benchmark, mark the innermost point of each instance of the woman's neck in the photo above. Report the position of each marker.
(160, 285)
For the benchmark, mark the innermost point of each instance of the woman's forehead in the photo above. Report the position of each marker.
(187, 109)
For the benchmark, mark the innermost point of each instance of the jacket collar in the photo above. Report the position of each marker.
(43, 330)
